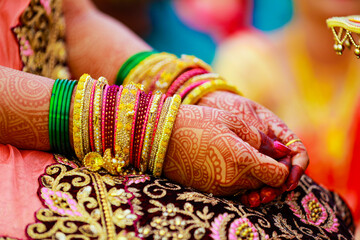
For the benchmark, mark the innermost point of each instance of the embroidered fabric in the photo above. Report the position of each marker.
(101, 206)
(41, 37)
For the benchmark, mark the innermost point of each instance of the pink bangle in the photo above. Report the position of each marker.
(161, 104)
(191, 87)
(109, 117)
(142, 126)
(137, 100)
(91, 113)
(106, 90)
(118, 98)
(180, 80)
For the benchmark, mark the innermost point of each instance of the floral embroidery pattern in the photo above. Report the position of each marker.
(41, 35)
(101, 206)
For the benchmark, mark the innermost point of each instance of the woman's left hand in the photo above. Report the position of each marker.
(270, 125)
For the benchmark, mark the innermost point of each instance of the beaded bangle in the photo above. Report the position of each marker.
(97, 117)
(130, 64)
(159, 128)
(185, 76)
(124, 124)
(52, 114)
(216, 85)
(140, 123)
(118, 98)
(151, 118)
(191, 87)
(206, 76)
(185, 62)
(103, 113)
(60, 124)
(109, 116)
(132, 138)
(68, 149)
(166, 134)
(77, 116)
(85, 118)
(91, 115)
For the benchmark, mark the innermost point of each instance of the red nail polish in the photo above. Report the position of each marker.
(281, 149)
(244, 200)
(254, 199)
(294, 177)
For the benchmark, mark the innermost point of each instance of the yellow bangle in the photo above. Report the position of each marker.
(77, 116)
(136, 74)
(149, 132)
(166, 134)
(216, 85)
(155, 143)
(97, 113)
(205, 76)
(85, 117)
(180, 65)
(124, 125)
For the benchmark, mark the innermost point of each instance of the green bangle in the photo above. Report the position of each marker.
(62, 113)
(58, 115)
(68, 150)
(130, 64)
(51, 114)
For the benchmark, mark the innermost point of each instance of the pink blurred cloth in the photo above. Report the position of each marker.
(20, 170)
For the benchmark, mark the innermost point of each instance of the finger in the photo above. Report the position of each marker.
(253, 136)
(294, 178)
(282, 132)
(254, 198)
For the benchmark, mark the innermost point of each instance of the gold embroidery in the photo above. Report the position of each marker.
(41, 37)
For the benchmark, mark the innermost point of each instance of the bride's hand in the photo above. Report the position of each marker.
(216, 151)
(268, 123)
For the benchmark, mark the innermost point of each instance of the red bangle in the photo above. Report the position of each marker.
(91, 113)
(106, 90)
(109, 117)
(180, 80)
(140, 123)
(191, 87)
(137, 100)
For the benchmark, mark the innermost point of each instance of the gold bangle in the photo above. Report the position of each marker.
(205, 76)
(292, 141)
(155, 143)
(77, 116)
(149, 132)
(85, 117)
(166, 134)
(97, 113)
(183, 63)
(124, 125)
(216, 85)
(135, 74)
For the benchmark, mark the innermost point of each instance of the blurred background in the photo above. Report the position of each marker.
(278, 53)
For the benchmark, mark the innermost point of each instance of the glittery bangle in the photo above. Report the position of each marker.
(132, 138)
(159, 128)
(77, 116)
(151, 119)
(110, 116)
(124, 125)
(216, 85)
(97, 117)
(140, 119)
(169, 75)
(85, 117)
(166, 134)
(206, 76)
(185, 76)
(191, 87)
(103, 115)
(91, 116)
(118, 100)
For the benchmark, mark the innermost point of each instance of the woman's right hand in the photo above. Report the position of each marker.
(215, 151)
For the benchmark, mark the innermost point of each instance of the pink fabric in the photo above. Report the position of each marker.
(10, 12)
(20, 170)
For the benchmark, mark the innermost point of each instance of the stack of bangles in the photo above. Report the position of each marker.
(127, 127)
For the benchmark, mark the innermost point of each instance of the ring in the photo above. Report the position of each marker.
(292, 141)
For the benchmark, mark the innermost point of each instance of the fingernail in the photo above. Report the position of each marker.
(286, 161)
(294, 177)
(281, 149)
(244, 200)
(271, 148)
(292, 187)
(254, 199)
(267, 195)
